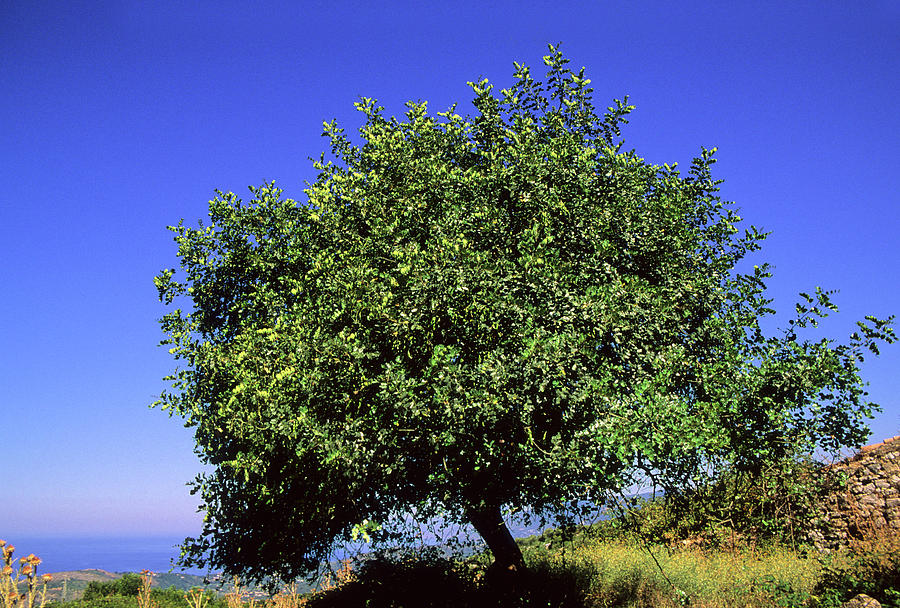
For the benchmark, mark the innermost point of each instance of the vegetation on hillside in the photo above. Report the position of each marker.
(603, 565)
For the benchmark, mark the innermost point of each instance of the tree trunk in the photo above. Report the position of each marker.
(490, 525)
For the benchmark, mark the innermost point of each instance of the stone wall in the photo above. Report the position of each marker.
(867, 506)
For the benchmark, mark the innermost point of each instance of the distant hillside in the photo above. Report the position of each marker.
(71, 584)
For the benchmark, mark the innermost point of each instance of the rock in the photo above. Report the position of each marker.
(862, 601)
(869, 498)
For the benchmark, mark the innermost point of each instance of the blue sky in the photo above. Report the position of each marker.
(120, 118)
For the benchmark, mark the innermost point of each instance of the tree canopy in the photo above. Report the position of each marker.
(467, 314)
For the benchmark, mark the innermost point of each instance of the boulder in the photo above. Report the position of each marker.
(862, 601)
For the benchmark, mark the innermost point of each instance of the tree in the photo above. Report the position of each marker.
(129, 585)
(472, 314)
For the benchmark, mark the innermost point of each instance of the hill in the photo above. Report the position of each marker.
(70, 584)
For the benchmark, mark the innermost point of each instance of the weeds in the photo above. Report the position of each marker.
(584, 570)
(871, 567)
(12, 578)
(144, 600)
(235, 599)
(196, 598)
(595, 573)
(288, 599)
(340, 577)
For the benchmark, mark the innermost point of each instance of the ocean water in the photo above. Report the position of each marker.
(119, 554)
(115, 554)
(154, 553)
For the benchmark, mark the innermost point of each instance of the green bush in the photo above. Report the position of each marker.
(110, 601)
(168, 598)
(771, 505)
(123, 592)
(872, 568)
(127, 586)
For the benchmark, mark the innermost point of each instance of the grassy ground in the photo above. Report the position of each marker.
(589, 572)
(593, 572)
(619, 573)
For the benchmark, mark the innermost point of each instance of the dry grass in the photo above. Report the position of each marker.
(143, 598)
(197, 598)
(235, 599)
(339, 577)
(616, 573)
(287, 599)
(588, 573)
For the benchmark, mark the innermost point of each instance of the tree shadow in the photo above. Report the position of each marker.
(431, 582)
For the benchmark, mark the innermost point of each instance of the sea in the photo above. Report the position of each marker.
(114, 554)
(134, 553)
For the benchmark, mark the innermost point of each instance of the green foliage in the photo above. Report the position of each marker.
(586, 573)
(783, 593)
(626, 572)
(775, 503)
(872, 568)
(109, 601)
(505, 310)
(106, 595)
(129, 585)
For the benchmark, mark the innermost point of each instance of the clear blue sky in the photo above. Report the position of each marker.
(120, 118)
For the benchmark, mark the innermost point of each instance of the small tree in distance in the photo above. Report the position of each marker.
(472, 314)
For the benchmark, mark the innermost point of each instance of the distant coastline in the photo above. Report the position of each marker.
(113, 554)
(119, 554)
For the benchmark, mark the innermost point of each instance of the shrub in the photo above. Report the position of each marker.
(127, 586)
(871, 567)
(775, 504)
